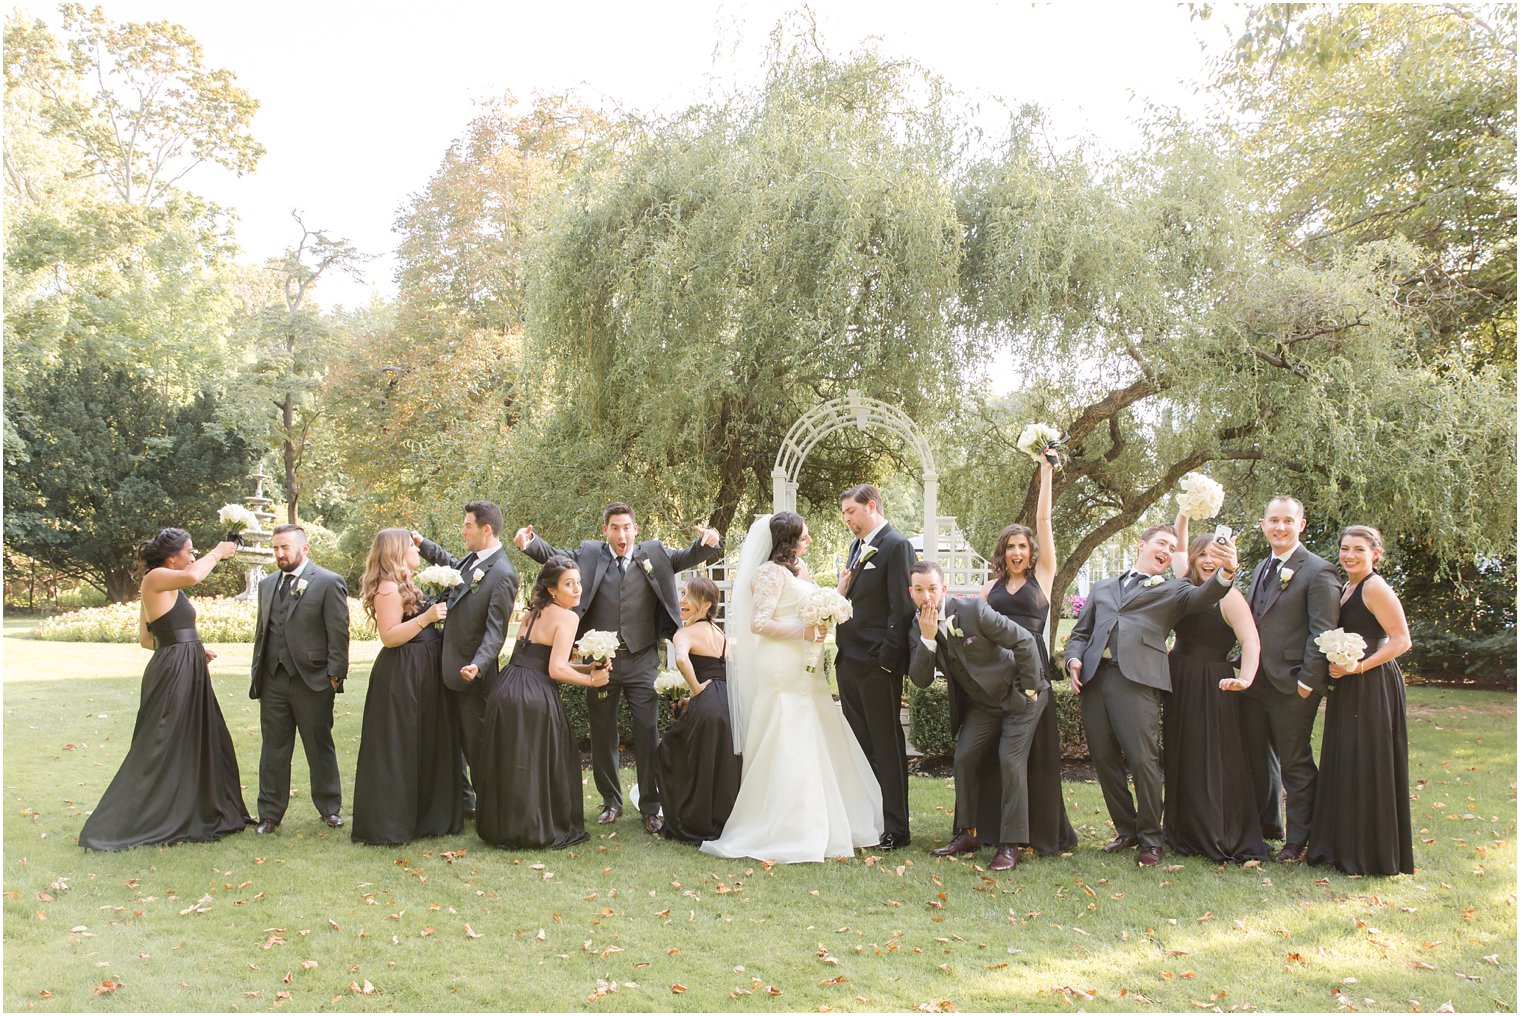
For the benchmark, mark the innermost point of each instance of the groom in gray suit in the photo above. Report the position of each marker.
(1295, 596)
(630, 589)
(996, 665)
(300, 658)
(1116, 656)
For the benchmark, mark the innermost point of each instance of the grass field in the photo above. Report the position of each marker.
(305, 920)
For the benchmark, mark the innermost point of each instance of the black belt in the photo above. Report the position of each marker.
(176, 636)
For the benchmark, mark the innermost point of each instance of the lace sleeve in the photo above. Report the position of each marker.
(770, 580)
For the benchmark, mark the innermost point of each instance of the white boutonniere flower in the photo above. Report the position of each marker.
(1284, 576)
(476, 576)
(647, 565)
(300, 588)
(865, 555)
(1153, 582)
(953, 628)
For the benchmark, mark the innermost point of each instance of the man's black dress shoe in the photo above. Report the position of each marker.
(890, 841)
(609, 815)
(653, 825)
(333, 821)
(1290, 852)
(265, 827)
(1119, 843)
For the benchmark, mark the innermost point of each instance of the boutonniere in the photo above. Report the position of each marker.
(866, 555)
(953, 628)
(476, 576)
(300, 588)
(1284, 576)
(1153, 582)
(647, 565)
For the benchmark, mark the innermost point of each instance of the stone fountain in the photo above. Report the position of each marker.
(253, 543)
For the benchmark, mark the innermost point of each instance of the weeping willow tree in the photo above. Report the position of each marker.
(723, 271)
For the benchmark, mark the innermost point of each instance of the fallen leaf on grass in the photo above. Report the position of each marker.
(308, 964)
(678, 989)
(362, 989)
(108, 987)
(44, 993)
(470, 932)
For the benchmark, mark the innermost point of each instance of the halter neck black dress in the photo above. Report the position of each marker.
(698, 771)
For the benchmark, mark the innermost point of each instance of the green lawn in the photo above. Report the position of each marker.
(305, 920)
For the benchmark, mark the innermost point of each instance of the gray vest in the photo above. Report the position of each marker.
(625, 604)
(276, 648)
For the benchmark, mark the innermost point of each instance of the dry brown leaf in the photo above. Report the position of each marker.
(470, 932)
(308, 964)
(678, 989)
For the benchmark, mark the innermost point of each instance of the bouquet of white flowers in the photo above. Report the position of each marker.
(1041, 440)
(1340, 646)
(598, 645)
(1199, 497)
(672, 685)
(436, 580)
(236, 518)
(821, 607)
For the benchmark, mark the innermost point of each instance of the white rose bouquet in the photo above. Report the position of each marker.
(596, 646)
(1041, 440)
(1199, 497)
(819, 608)
(236, 518)
(1341, 647)
(436, 580)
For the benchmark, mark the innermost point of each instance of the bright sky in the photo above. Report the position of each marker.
(359, 100)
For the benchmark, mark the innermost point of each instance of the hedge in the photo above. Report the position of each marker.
(929, 720)
(218, 619)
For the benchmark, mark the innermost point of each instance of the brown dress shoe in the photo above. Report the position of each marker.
(333, 821)
(963, 843)
(653, 825)
(265, 827)
(1148, 857)
(1119, 843)
(1006, 859)
(1290, 853)
(609, 815)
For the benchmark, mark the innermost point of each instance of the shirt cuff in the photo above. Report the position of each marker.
(928, 644)
(1222, 580)
(1305, 687)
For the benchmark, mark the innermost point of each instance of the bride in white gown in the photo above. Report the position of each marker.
(807, 792)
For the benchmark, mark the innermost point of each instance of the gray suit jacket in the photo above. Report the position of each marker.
(594, 559)
(316, 629)
(1138, 624)
(479, 612)
(1291, 616)
(994, 660)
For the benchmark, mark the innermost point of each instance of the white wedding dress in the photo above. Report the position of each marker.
(807, 792)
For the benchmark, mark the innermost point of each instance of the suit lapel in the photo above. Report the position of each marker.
(266, 601)
(484, 568)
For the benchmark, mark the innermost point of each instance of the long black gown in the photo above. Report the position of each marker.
(407, 783)
(1050, 830)
(1210, 806)
(1361, 802)
(179, 782)
(528, 793)
(697, 770)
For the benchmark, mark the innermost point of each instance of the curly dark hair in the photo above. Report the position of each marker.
(703, 588)
(548, 577)
(1000, 551)
(786, 536)
(164, 545)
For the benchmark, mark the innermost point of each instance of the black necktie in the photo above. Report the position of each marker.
(286, 581)
(1268, 574)
(622, 566)
(467, 563)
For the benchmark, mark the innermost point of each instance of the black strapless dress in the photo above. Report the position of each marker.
(528, 791)
(179, 782)
(407, 783)
(1361, 802)
(1050, 830)
(1210, 806)
(698, 771)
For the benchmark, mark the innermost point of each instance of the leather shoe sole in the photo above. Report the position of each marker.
(1290, 853)
(1006, 859)
(963, 843)
(1148, 857)
(1119, 843)
(609, 815)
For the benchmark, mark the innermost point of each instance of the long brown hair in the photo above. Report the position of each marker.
(387, 563)
(1000, 551)
(1195, 554)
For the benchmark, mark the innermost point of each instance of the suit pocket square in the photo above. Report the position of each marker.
(868, 566)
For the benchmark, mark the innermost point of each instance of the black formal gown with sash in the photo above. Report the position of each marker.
(179, 782)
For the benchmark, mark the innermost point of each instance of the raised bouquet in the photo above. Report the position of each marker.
(1199, 497)
(437, 579)
(820, 608)
(236, 518)
(1341, 647)
(1041, 440)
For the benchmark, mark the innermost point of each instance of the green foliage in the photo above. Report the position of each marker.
(102, 460)
(218, 619)
(1462, 623)
(929, 721)
(580, 720)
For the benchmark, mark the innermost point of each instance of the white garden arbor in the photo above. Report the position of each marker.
(965, 570)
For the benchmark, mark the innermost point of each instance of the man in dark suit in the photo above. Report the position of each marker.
(873, 650)
(1117, 659)
(996, 665)
(1295, 596)
(629, 589)
(300, 660)
(480, 608)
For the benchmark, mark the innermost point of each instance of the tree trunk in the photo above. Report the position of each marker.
(292, 485)
(121, 584)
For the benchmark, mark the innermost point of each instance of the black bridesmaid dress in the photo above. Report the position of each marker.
(529, 786)
(1050, 830)
(179, 782)
(698, 771)
(407, 783)
(1361, 802)
(1210, 806)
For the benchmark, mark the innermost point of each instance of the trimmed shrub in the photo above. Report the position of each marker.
(929, 721)
(218, 619)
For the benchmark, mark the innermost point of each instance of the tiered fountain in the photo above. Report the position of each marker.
(253, 543)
